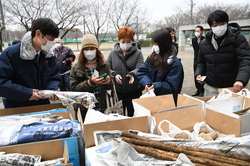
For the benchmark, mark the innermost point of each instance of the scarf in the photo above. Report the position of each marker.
(91, 64)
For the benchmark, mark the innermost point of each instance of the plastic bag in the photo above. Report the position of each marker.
(198, 126)
(173, 130)
(94, 116)
(244, 92)
(148, 94)
(227, 102)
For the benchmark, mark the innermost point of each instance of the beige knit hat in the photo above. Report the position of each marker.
(89, 40)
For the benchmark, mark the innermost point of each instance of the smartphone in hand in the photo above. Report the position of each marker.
(103, 75)
(202, 79)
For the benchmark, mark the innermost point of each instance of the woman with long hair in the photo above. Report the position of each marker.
(162, 72)
(85, 74)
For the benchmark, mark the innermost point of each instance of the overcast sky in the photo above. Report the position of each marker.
(163, 8)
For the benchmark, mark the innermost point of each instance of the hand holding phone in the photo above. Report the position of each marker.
(201, 79)
(103, 75)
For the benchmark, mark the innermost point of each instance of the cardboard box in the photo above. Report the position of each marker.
(223, 123)
(65, 113)
(225, 119)
(152, 105)
(74, 159)
(29, 109)
(184, 118)
(47, 149)
(137, 123)
(55, 109)
(50, 149)
(186, 114)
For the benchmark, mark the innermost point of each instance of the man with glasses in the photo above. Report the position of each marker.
(29, 66)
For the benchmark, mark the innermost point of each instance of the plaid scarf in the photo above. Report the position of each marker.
(89, 72)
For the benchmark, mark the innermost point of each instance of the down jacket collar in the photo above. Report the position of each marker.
(27, 51)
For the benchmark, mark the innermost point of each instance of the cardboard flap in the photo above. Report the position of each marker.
(156, 103)
(205, 99)
(79, 117)
(186, 100)
(137, 123)
(47, 149)
(65, 153)
(246, 102)
(223, 123)
(66, 114)
(184, 118)
(29, 109)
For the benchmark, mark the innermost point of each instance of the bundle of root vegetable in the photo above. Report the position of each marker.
(170, 152)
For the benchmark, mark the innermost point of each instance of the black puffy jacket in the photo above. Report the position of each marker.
(229, 63)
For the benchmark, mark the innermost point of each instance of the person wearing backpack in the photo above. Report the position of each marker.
(224, 56)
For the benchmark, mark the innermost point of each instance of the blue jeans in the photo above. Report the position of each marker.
(64, 82)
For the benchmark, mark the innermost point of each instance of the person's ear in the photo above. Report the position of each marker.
(38, 33)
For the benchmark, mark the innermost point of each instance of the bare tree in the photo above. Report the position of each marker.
(238, 12)
(175, 20)
(200, 14)
(192, 4)
(98, 17)
(25, 11)
(65, 13)
(129, 13)
(68, 14)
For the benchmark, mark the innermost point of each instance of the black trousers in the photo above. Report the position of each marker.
(199, 87)
(127, 101)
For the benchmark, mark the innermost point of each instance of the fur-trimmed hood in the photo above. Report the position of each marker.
(27, 51)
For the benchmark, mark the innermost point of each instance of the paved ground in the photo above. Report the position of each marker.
(185, 56)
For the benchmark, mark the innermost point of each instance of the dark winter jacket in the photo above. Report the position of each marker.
(134, 60)
(64, 54)
(229, 63)
(78, 82)
(18, 77)
(196, 48)
(170, 82)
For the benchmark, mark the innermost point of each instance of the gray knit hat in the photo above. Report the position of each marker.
(89, 40)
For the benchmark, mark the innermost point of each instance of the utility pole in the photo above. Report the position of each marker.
(137, 36)
(84, 32)
(77, 39)
(2, 26)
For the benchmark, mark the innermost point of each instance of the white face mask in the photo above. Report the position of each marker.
(90, 54)
(156, 49)
(125, 46)
(48, 45)
(58, 45)
(220, 30)
(197, 34)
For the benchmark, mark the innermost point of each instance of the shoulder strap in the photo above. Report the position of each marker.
(124, 63)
